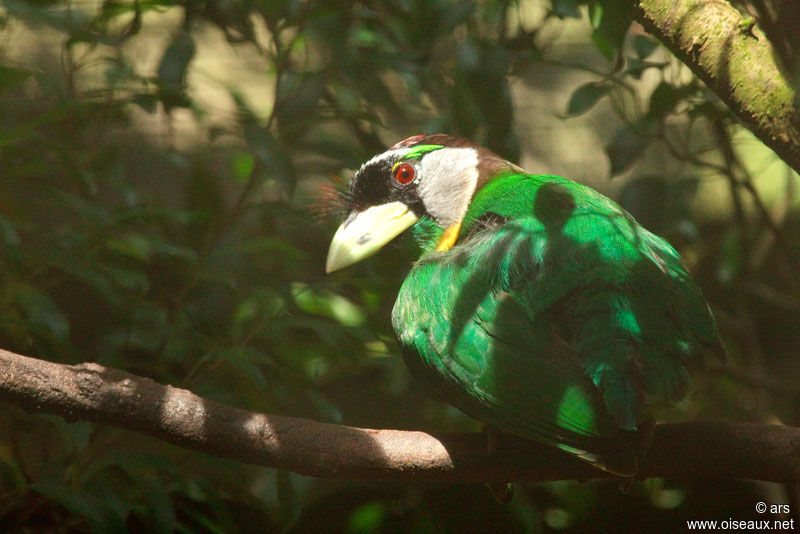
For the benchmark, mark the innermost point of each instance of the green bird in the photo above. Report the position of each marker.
(538, 305)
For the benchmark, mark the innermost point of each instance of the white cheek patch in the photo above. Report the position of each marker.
(448, 177)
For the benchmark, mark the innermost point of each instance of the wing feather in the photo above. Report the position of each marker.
(557, 326)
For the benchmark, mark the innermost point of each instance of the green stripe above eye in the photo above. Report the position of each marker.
(418, 151)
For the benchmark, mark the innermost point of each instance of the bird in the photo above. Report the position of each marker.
(538, 305)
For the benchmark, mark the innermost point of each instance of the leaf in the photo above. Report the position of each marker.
(158, 505)
(731, 257)
(298, 95)
(20, 132)
(41, 312)
(266, 248)
(243, 164)
(585, 97)
(363, 36)
(134, 245)
(129, 279)
(79, 432)
(625, 147)
(334, 145)
(11, 78)
(326, 409)
(99, 516)
(257, 307)
(287, 494)
(270, 152)
(367, 518)
(610, 20)
(327, 304)
(247, 365)
(130, 464)
(8, 234)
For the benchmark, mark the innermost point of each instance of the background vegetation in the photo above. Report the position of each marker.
(160, 163)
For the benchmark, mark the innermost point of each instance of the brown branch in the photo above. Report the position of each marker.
(109, 396)
(737, 61)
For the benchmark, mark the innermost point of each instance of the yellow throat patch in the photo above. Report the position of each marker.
(448, 238)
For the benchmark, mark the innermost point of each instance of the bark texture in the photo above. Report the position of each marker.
(108, 396)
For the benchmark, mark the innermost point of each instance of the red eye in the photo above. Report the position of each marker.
(404, 174)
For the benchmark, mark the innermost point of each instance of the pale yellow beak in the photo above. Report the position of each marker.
(363, 233)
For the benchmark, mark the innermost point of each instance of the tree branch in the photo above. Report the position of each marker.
(736, 61)
(110, 396)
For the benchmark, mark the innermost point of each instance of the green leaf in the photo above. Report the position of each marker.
(256, 308)
(79, 432)
(327, 304)
(160, 513)
(363, 36)
(731, 257)
(298, 96)
(585, 97)
(327, 410)
(243, 164)
(24, 130)
(10, 470)
(99, 516)
(272, 155)
(130, 464)
(8, 234)
(610, 20)
(133, 245)
(287, 494)
(11, 78)
(41, 312)
(367, 518)
(265, 248)
(130, 279)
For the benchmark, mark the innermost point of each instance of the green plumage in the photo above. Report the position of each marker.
(555, 317)
(538, 306)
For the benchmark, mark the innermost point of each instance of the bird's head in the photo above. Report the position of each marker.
(432, 176)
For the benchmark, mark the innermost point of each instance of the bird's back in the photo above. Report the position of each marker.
(555, 317)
